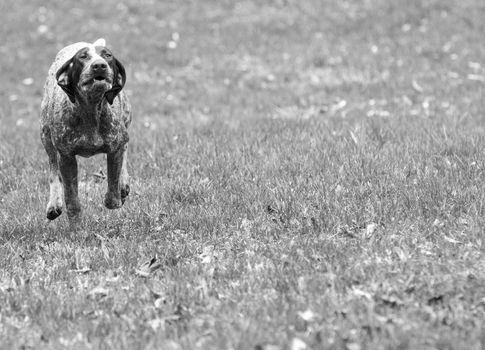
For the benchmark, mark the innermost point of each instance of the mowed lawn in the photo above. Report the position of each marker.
(304, 175)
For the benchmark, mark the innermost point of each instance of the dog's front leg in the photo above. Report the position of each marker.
(124, 177)
(68, 170)
(112, 199)
(54, 206)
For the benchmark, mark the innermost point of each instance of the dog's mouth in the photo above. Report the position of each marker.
(100, 78)
(96, 81)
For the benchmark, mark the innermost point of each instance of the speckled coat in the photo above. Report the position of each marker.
(77, 128)
(84, 112)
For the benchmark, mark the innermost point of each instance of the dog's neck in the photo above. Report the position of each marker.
(90, 112)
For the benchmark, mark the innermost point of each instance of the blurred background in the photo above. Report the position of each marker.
(193, 61)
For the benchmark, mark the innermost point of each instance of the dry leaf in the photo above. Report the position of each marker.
(474, 65)
(267, 347)
(298, 344)
(98, 291)
(112, 276)
(99, 176)
(208, 255)
(156, 324)
(352, 346)
(148, 267)
(28, 81)
(82, 270)
(401, 253)
(451, 240)
(160, 303)
(475, 77)
(360, 293)
(416, 86)
(391, 300)
(6, 286)
(337, 106)
(370, 228)
(307, 315)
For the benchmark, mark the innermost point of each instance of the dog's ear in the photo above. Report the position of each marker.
(119, 79)
(65, 79)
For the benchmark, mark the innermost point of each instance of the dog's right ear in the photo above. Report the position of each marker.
(65, 79)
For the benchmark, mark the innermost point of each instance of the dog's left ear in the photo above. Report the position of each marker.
(119, 79)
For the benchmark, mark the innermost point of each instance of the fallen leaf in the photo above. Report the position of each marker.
(416, 86)
(369, 230)
(156, 324)
(298, 344)
(100, 175)
(337, 106)
(160, 303)
(175, 36)
(148, 267)
(451, 240)
(6, 287)
(112, 276)
(475, 77)
(474, 65)
(352, 346)
(391, 300)
(267, 347)
(28, 81)
(82, 270)
(208, 255)
(379, 113)
(406, 27)
(437, 299)
(42, 29)
(307, 315)
(401, 253)
(361, 293)
(98, 291)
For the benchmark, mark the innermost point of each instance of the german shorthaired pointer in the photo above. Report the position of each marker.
(84, 112)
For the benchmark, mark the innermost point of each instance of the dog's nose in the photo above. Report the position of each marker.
(99, 66)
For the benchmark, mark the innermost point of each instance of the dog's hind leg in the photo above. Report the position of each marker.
(54, 206)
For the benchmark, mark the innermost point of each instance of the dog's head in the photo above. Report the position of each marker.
(93, 72)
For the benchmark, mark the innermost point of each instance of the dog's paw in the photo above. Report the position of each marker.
(53, 212)
(112, 202)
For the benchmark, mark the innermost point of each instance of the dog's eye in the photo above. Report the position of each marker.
(83, 56)
(107, 55)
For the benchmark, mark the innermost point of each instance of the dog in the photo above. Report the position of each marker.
(84, 112)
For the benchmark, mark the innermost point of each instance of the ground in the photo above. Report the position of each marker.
(304, 174)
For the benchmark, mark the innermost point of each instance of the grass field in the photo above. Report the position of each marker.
(304, 174)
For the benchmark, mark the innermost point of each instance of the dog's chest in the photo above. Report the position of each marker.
(85, 140)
